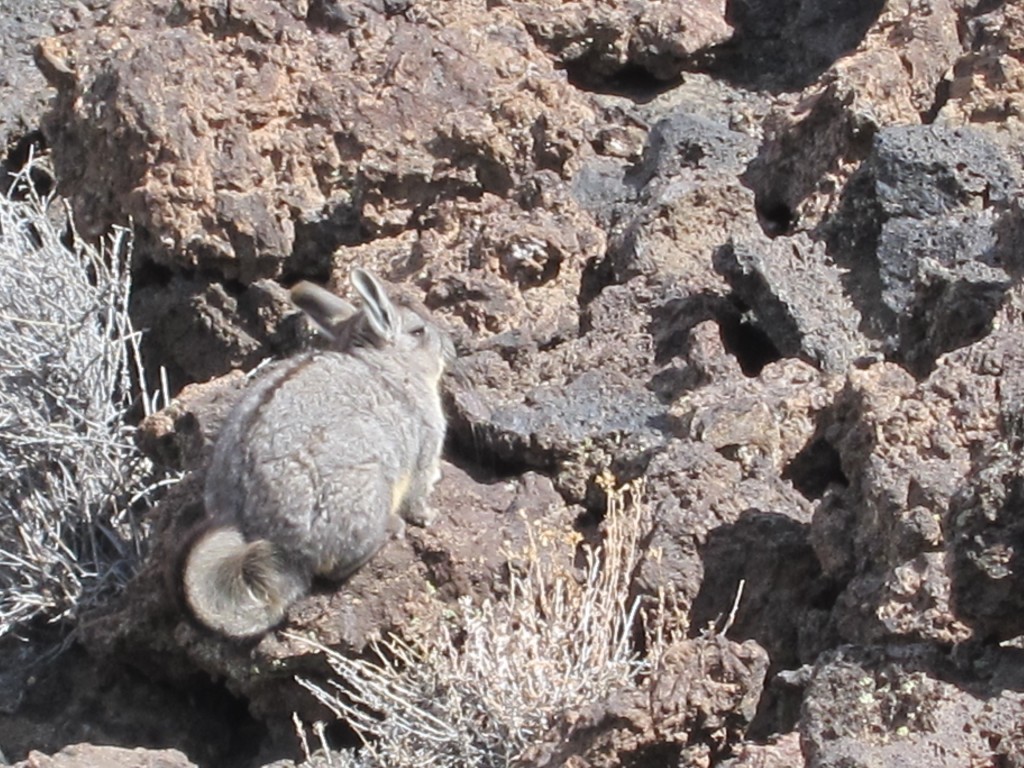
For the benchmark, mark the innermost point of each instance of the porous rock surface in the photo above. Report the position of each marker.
(23, 90)
(764, 255)
(604, 40)
(890, 706)
(704, 695)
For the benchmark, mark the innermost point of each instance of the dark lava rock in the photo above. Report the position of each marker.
(796, 293)
(24, 94)
(919, 231)
(571, 429)
(74, 700)
(684, 197)
(199, 329)
(716, 527)
(786, 44)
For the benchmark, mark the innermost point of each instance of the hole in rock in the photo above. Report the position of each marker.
(632, 81)
(146, 272)
(986, 6)
(597, 275)
(339, 735)
(653, 756)
(942, 96)
(317, 239)
(749, 345)
(484, 455)
(775, 217)
(815, 468)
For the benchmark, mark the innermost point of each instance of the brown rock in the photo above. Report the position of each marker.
(259, 144)
(496, 265)
(902, 454)
(985, 85)
(181, 435)
(715, 526)
(707, 689)
(235, 138)
(926, 44)
(781, 752)
(758, 422)
(695, 706)
(599, 40)
(75, 700)
(689, 201)
(907, 449)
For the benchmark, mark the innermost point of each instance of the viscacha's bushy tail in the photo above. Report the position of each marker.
(236, 587)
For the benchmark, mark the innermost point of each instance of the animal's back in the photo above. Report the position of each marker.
(312, 457)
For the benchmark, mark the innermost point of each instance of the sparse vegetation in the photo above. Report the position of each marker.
(70, 475)
(486, 686)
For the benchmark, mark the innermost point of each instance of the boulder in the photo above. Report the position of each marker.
(603, 43)
(924, 289)
(796, 293)
(698, 701)
(252, 141)
(914, 455)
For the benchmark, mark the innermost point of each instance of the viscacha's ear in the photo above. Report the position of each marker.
(328, 311)
(381, 316)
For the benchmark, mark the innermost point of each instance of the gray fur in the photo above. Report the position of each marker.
(316, 459)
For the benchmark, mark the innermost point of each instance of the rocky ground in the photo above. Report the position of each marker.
(766, 255)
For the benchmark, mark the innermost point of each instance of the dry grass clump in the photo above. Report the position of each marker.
(486, 686)
(69, 472)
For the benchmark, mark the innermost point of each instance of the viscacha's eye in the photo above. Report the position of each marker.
(418, 331)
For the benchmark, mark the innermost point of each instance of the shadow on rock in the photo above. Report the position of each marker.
(770, 553)
(763, 567)
(784, 45)
(985, 533)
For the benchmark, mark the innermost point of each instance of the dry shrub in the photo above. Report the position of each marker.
(70, 474)
(491, 682)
